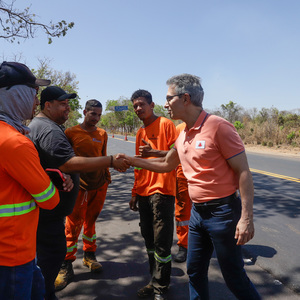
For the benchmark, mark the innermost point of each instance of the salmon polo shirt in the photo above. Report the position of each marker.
(203, 151)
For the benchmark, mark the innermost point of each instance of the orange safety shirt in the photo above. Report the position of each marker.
(24, 186)
(161, 134)
(203, 151)
(89, 144)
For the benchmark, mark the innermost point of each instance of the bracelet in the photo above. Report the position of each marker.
(111, 161)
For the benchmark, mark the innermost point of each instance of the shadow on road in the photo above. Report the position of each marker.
(122, 253)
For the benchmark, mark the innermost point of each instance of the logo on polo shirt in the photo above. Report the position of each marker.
(200, 145)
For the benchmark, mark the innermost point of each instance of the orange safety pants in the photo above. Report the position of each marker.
(183, 206)
(86, 211)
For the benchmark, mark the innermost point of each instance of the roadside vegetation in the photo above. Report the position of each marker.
(267, 127)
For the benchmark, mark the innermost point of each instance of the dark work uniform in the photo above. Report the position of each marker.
(54, 150)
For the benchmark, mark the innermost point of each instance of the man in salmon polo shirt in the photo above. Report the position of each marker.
(215, 164)
(153, 195)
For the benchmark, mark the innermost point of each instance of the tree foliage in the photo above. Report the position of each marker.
(268, 126)
(18, 24)
(124, 121)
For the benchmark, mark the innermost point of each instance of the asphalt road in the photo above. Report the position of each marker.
(275, 246)
(273, 268)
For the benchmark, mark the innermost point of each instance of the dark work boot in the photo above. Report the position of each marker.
(64, 276)
(181, 255)
(90, 261)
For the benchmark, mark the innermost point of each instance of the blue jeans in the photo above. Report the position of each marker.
(213, 227)
(23, 282)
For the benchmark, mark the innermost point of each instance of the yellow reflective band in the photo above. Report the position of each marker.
(70, 249)
(46, 194)
(163, 260)
(17, 209)
(88, 238)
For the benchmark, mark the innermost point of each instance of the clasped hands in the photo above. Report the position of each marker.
(126, 161)
(121, 162)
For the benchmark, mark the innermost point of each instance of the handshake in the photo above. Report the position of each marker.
(121, 162)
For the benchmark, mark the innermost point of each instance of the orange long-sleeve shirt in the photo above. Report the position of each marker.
(24, 186)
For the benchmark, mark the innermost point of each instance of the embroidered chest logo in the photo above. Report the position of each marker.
(95, 140)
(200, 144)
(153, 137)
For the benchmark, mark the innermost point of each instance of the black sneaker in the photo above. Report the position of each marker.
(64, 276)
(181, 255)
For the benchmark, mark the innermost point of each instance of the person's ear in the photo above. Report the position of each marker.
(187, 98)
(152, 105)
(47, 105)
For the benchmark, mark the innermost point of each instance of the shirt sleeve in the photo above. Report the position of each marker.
(56, 147)
(26, 169)
(228, 140)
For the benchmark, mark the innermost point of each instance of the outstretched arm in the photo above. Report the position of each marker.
(160, 165)
(80, 164)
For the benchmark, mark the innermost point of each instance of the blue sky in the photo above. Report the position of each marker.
(244, 51)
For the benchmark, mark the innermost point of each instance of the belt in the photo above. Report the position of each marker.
(217, 202)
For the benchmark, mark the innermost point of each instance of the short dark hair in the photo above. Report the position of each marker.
(92, 103)
(142, 93)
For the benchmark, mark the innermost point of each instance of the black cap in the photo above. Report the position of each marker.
(55, 93)
(13, 73)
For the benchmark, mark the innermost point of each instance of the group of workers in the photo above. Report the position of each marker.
(194, 170)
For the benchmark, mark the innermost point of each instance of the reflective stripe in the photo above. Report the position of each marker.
(10, 210)
(70, 249)
(182, 223)
(150, 251)
(46, 194)
(172, 146)
(136, 168)
(163, 260)
(17, 209)
(88, 238)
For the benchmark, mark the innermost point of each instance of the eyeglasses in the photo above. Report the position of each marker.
(169, 98)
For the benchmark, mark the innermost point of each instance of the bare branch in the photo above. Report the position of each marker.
(17, 24)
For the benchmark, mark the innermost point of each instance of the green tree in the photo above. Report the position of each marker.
(231, 111)
(22, 24)
(160, 111)
(120, 121)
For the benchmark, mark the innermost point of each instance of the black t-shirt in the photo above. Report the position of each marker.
(54, 150)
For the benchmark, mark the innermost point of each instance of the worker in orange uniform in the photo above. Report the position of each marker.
(24, 185)
(87, 140)
(153, 195)
(183, 206)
